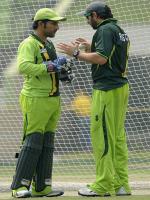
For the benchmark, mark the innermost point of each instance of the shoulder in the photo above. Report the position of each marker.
(110, 29)
(104, 30)
(29, 42)
(107, 27)
(113, 27)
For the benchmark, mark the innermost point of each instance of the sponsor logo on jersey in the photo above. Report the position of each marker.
(123, 37)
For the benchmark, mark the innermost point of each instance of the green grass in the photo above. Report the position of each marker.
(66, 170)
(7, 196)
(68, 165)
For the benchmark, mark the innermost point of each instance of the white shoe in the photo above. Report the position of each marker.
(122, 192)
(55, 193)
(88, 192)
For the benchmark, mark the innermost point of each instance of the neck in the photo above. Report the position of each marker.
(99, 21)
(40, 35)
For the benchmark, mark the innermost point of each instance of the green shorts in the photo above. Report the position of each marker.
(40, 114)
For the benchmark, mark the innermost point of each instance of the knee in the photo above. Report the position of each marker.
(34, 141)
(49, 140)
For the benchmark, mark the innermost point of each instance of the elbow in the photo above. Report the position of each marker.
(20, 69)
(102, 61)
(23, 68)
(20, 66)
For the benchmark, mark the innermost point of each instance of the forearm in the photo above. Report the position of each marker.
(93, 58)
(29, 68)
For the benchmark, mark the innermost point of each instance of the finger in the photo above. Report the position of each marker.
(60, 51)
(74, 44)
(77, 42)
(80, 40)
(62, 46)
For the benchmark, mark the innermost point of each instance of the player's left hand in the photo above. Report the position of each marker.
(55, 65)
(61, 60)
(67, 48)
(66, 74)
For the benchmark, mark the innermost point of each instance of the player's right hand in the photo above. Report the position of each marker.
(83, 43)
(52, 66)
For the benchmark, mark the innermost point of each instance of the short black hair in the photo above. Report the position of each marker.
(107, 14)
(35, 23)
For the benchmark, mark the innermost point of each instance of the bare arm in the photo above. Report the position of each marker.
(93, 58)
(88, 57)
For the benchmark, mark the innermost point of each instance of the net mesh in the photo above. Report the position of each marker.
(73, 160)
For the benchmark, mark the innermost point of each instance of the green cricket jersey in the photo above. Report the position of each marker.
(111, 42)
(32, 52)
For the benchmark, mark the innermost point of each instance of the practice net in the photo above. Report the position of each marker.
(73, 159)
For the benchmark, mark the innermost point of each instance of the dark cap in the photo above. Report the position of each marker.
(100, 8)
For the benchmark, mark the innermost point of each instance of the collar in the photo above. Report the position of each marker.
(109, 20)
(37, 38)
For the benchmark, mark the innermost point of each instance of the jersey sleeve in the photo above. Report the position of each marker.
(26, 60)
(104, 42)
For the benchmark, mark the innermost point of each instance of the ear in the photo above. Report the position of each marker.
(40, 23)
(95, 15)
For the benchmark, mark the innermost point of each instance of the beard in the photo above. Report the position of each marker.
(50, 34)
(94, 25)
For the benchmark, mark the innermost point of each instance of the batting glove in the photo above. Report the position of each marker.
(55, 65)
(66, 74)
(51, 66)
(61, 60)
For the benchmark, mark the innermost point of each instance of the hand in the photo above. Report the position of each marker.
(55, 65)
(52, 67)
(83, 44)
(61, 60)
(66, 74)
(67, 48)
